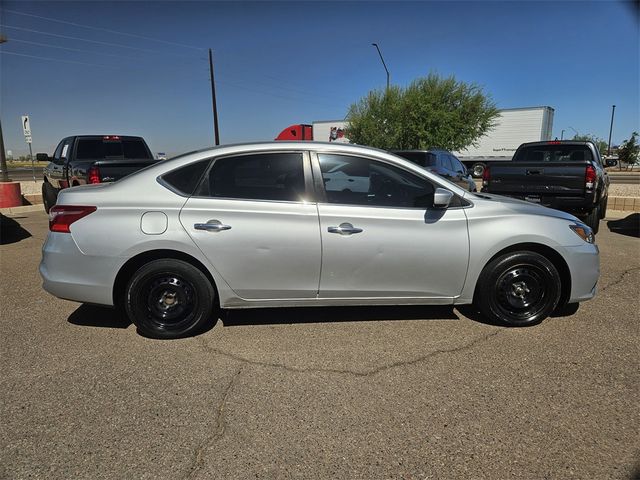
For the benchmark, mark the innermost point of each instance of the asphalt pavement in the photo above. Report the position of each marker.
(326, 393)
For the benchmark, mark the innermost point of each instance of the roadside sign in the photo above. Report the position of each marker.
(26, 127)
(27, 138)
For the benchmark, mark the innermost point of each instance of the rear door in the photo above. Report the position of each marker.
(254, 220)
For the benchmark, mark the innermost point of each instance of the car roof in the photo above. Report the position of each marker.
(430, 150)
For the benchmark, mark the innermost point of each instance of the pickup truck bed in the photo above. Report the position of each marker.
(567, 176)
(83, 159)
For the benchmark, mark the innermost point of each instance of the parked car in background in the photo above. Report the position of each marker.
(258, 225)
(83, 159)
(566, 175)
(441, 162)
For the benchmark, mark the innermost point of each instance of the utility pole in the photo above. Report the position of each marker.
(383, 64)
(4, 172)
(216, 135)
(613, 111)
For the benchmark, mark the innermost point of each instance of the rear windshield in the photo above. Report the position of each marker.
(424, 159)
(553, 153)
(94, 148)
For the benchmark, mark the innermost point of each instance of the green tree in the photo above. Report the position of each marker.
(598, 142)
(629, 151)
(431, 112)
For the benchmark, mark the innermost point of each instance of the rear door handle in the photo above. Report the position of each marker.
(344, 229)
(212, 226)
(534, 172)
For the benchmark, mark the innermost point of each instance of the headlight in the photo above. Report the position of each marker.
(584, 232)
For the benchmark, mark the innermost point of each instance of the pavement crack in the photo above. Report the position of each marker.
(404, 363)
(219, 430)
(620, 278)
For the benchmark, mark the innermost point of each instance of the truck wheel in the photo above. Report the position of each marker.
(603, 207)
(169, 298)
(49, 196)
(478, 169)
(518, 289)
(593, 219)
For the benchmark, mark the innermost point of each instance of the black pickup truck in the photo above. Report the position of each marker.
(565, 175)
(83, 159)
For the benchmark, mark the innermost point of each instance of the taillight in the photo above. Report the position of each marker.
(486, 176)
(589, 177)
(93, 175)
(62, 216)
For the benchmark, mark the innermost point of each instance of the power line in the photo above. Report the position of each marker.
(81, 39)
(117, 55)
(4, 52)
(105, 30)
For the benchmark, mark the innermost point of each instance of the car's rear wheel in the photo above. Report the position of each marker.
(518, 289)
(603, 207)
(593, 219)
(169, 298)
(49, 196)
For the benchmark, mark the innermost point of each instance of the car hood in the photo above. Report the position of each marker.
(520, 207)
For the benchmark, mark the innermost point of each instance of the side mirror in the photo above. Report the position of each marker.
(43, 157)
(612, 162)
(442, 198)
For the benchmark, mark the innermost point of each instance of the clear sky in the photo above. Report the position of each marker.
(141, 68)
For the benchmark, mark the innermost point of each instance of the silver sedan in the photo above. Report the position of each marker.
(308, 224)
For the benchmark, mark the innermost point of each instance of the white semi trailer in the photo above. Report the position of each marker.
(514, 126)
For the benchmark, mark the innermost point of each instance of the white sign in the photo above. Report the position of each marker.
(27, 138)
(26, 126)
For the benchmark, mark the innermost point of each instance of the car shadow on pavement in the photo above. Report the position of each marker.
(279, 316)
(629, 226)
(472, 313)
(11, 231)
(95, 316)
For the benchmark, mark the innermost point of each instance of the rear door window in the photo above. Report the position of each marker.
(553, 153)
(262, 176)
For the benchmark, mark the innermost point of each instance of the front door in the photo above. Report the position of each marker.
(381, 236)
(253, 221)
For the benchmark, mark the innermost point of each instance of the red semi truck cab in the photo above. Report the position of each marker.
(296, 132)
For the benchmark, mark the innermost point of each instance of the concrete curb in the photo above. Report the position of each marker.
(22, 209)
(626, 204)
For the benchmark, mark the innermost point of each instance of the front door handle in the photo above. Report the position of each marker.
(344, 229)
(212, 226)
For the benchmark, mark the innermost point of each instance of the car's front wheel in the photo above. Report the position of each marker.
(518, 289)
(169, 298)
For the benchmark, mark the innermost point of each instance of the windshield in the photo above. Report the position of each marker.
(94, 148)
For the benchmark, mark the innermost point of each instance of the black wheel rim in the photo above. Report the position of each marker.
(522, 292)
(170, 301)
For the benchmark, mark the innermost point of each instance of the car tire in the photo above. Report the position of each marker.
(49, 196)
(518, 289)
(593, 219)
(169, 298)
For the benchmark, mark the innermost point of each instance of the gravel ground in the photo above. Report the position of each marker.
(624, 190)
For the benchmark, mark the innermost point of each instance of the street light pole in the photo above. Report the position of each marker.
(383, 64)
(562, 135)
(213, 100)
(4, 172)
(613, 111)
